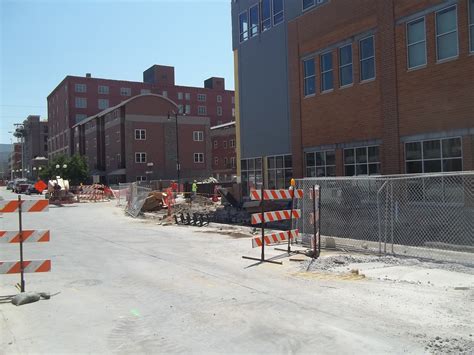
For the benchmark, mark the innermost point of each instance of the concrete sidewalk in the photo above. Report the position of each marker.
(131, 286)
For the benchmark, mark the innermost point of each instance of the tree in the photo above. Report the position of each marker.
(76, 170)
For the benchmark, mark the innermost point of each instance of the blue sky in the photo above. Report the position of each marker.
(43, 41)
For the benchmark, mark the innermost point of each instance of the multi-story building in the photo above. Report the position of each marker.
(363, 86)
(35, 140)
(77, 98)
(16, 168)
(224, 167)
(137, 140)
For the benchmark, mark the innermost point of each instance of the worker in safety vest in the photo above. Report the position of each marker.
(194, 188)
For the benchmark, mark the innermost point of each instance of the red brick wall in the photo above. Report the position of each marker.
(221, 152)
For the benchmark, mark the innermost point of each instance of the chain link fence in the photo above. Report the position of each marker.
(135, 196)
(425, 216)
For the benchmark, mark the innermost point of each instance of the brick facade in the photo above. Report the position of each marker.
(223, 143)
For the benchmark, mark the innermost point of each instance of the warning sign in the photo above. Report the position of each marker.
(40, 186)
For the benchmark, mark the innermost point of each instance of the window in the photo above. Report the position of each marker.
(233, 112)
(80, 88)
(180, 95)
(145, 91)
(367, 58)
(265, 14)
(279, 171)
(199, 157)
(224, 144)
(140, 134)
(103, 89)
(187, 96)
(309, 77)
(141, 178)
(125, 91)
(216, 161)
(103, 104)
(416, 43)
(219, 98)
(362, 161)
(107, 140)
(165, 93)
(307, 4)
(215, 144)
(232, 162)
(321, 163)
(471, 25)
(326, 72)
(345, 65)
(219, 111)
(253, 21)
(243, 27)
(226, 161)
(232, 143)
(140, 157)
(251, 174)
(440, 155)
(201, 97)
(278, 16)
(198, 136)
(80, 117)
(446, 33)
(180, 108)
(202, 110)
(233, 100)
(188, 109)
(81, 102)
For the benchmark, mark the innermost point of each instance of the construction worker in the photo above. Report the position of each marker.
(194, 188)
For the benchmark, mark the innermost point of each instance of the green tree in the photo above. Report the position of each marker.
(76, 170)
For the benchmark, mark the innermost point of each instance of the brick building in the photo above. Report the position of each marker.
(15, 161)
(372, 87)
(77, 98)
(35, 142)
(224, 166)
(136, 141)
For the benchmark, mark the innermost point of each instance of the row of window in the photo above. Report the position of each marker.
(367, 67)
(307, 4)
(446, 31)
(226, 162)
(224, 144)
(200, 97)
(104, 89)
(140, 135)
(81, 102)
(141, 157)
(260, 18)
(428, 156)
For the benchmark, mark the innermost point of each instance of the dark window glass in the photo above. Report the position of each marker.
(374, 169)
(431, 149)
(288, 161)
(254, 21)
(277, 11)
(307, 4)
(452, 165)
(416, 41)
(361, 169)
(258, 164)
(320, 171)
(349, 156)
(349, 170)
(432, 166)
(446, 33)
(452, 148)
(331, 171)
(251, 164)
(309, 77)
(367, 59)
(310, 172)
(271, 163)
(243, 26)
(361, 155)
(345, 65)
(326, 72)
(265, 15)
(279, 162)
(373, 154)
(413, 151)
(309, 159)
(320, 158)
(331, 157)
(243, 162)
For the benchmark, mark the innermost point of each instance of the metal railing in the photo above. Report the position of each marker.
(424, 216)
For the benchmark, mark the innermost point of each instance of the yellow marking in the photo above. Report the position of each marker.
(329, 276)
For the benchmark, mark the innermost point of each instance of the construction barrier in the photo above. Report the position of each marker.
(275, 238)
(24, 236)
(275, 216)
(94, 193)
(276, 194)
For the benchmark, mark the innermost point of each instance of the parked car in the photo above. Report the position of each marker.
(10, 185)
(20, 186)
(32, 190)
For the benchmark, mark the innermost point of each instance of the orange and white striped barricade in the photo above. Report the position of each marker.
(273, 216)
(24, 236)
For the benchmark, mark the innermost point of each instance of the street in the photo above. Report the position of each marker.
(131, 286)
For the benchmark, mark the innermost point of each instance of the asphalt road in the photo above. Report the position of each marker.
(131, 286)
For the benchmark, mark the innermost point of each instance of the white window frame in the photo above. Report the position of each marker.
(187, 96)
(219, 110)
(324, 166)
(309, 7)
(257, 25)
(141, 134)
(276, 14)
(81, 99)
(188, 109)
(441, 158)
(201, 97)
(309, 77)
(366, 163)
(77, 87)
(470, 8)
(180, 108)
(142, 157)
(219, 98)
(215, 144)
(444, 34)
(224, 144)
(232, 162)
(199, 158)
(125, 92)
(198, 136)
(202, 110)
(243, 32)
(368, 58)
(412, 44)
(232, 143)
(327, 71)
(233, 112)
(99, 101)
(103, 89)
(345, 65)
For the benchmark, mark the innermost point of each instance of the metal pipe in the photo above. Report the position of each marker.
(20, 227)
